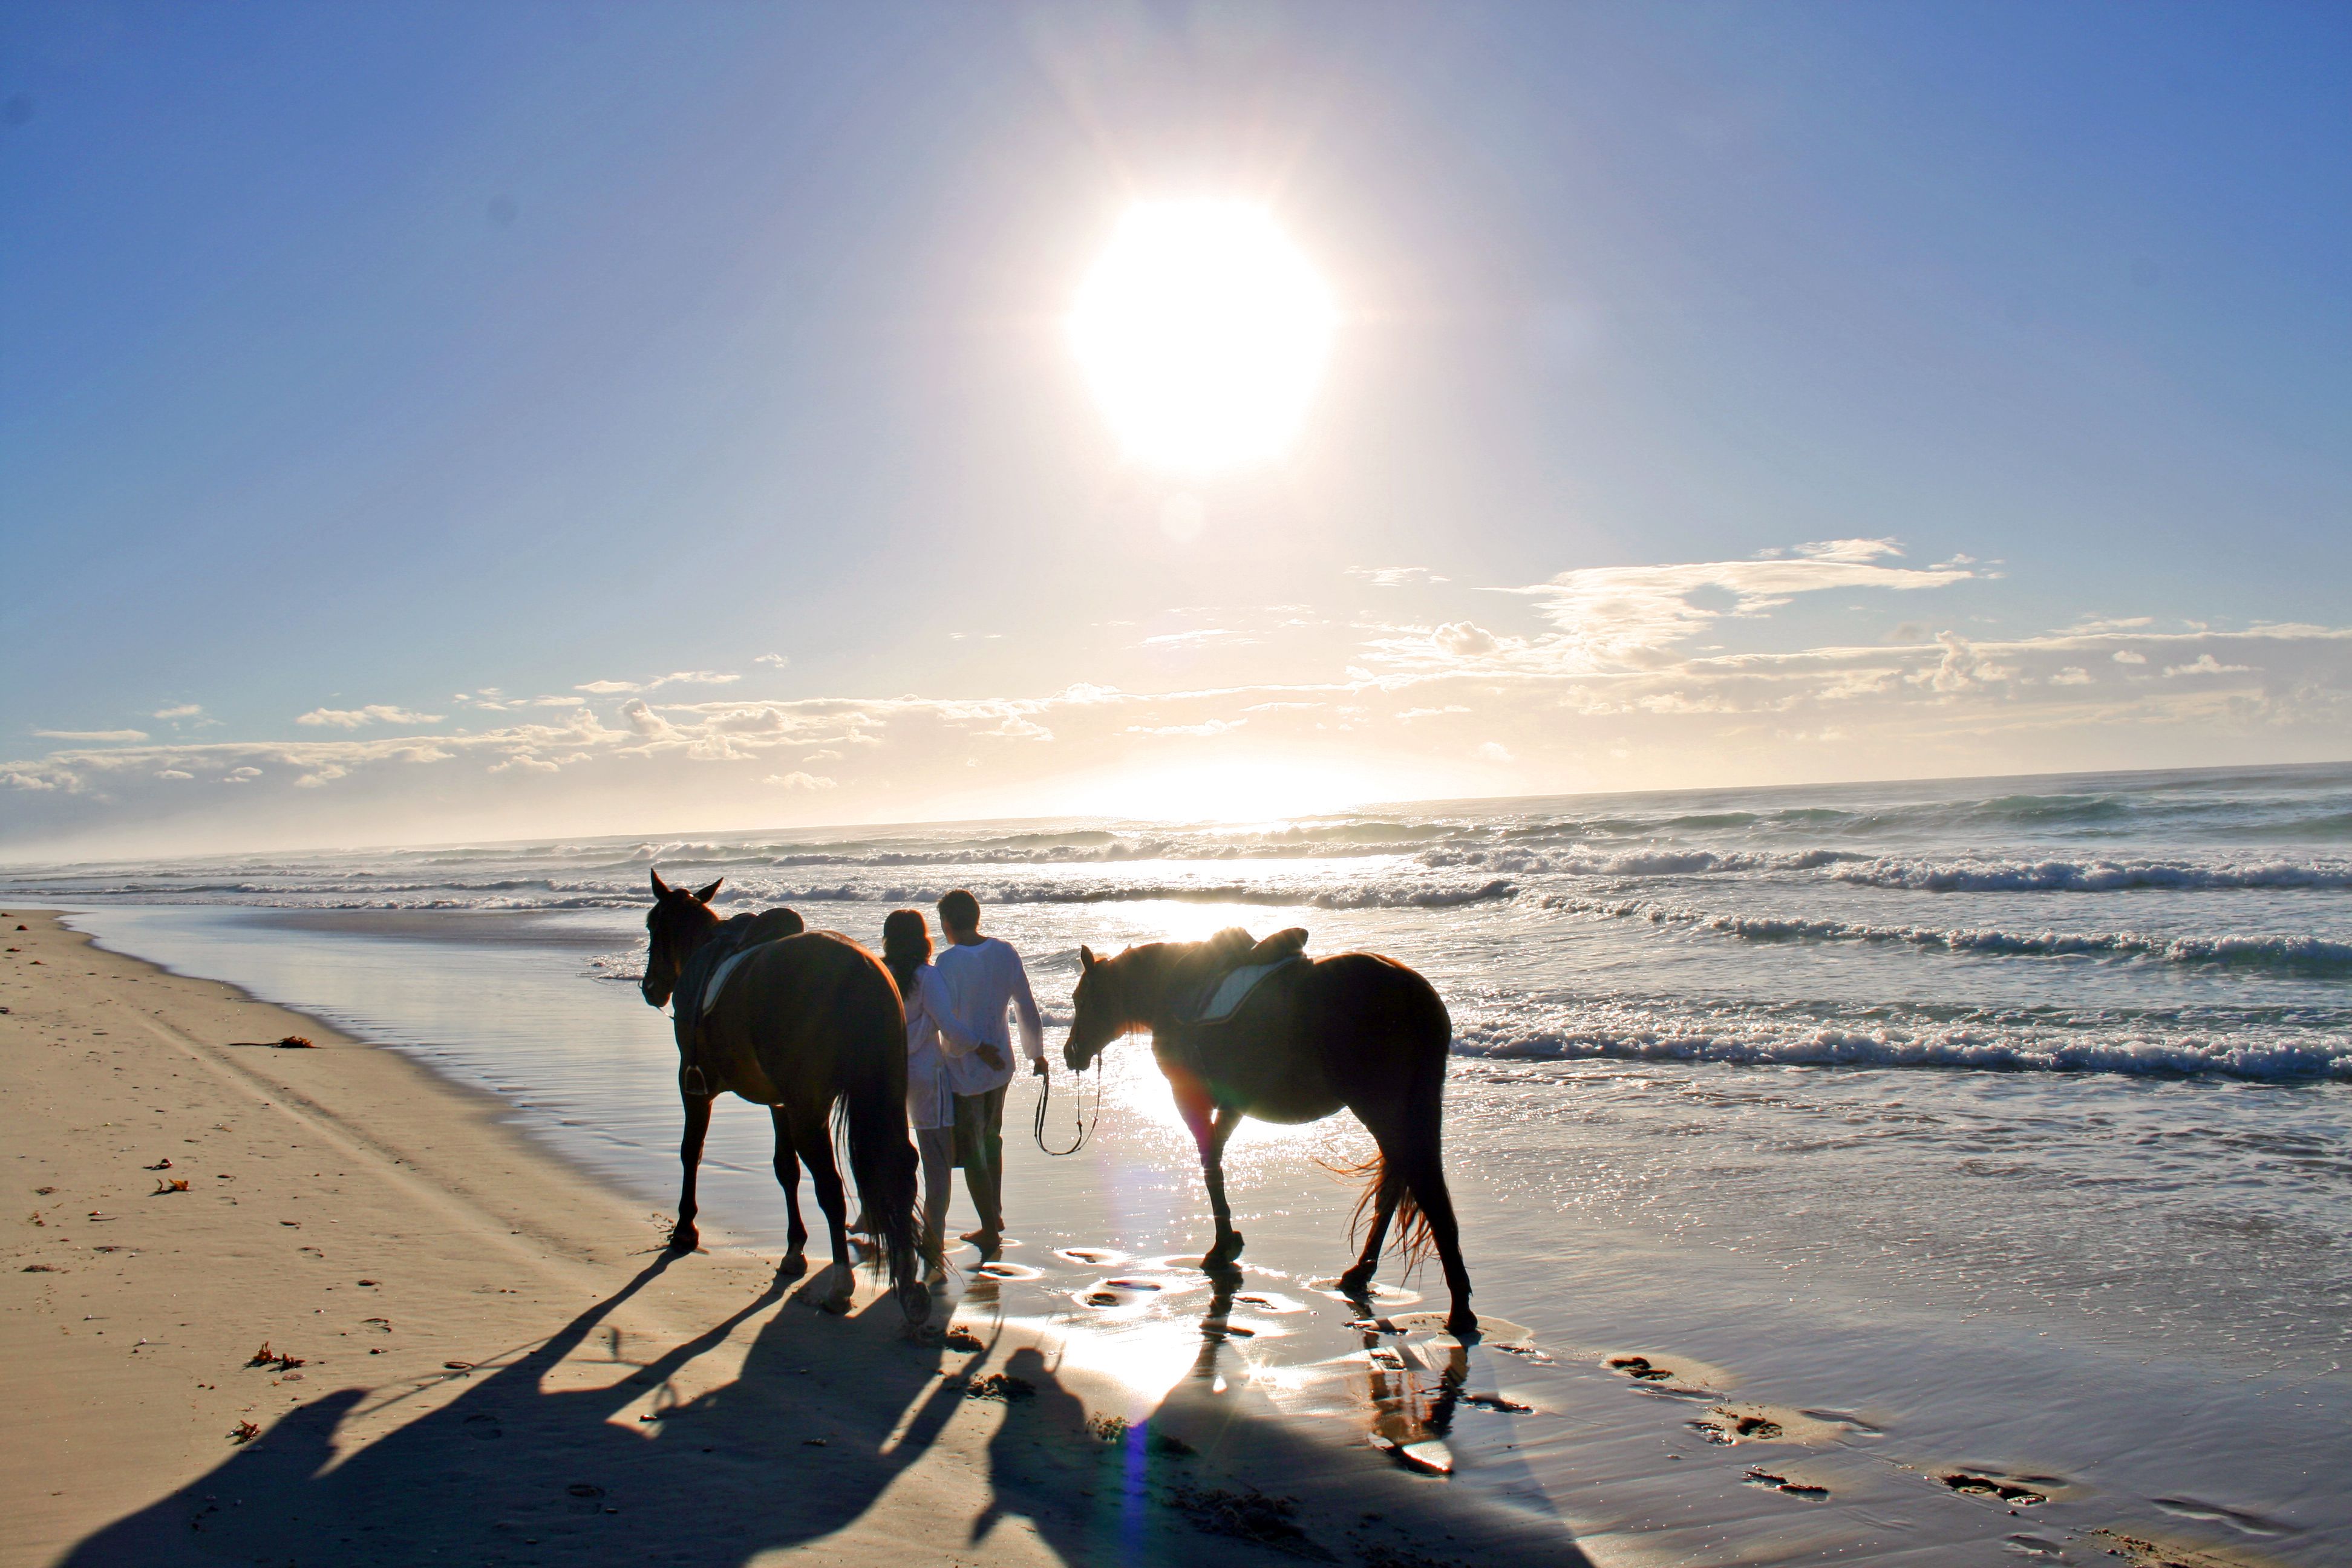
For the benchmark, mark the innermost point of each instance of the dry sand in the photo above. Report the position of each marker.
(480, 1356)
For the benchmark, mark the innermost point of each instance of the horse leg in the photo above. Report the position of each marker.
(788, 1177)
(815, 1139)
(1429, 1191)
(1359, 1280)
(1212, 1139)
(683, 1237)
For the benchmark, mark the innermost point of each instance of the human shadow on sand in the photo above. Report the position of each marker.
(824, 1415)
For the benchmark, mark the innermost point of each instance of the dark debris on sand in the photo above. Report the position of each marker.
(1403, 1557)
(1247, 1515)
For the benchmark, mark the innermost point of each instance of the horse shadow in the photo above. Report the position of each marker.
(512, 1472)
(1213, 1473)
(824, 1415)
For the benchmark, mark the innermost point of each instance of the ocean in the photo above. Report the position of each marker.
(2048, 1073)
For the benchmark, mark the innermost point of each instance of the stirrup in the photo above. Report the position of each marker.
(691, 1081)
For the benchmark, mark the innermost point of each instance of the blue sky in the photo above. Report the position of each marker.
(446, 368)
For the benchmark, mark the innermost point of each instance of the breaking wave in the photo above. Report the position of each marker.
(2090, 875)
(1643, 862)
(2288, 952)
(2265, 1058)
(1387, 895)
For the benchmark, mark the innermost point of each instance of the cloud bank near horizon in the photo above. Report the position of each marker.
(1608, 687)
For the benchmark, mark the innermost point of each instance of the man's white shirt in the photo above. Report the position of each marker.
(984, 979)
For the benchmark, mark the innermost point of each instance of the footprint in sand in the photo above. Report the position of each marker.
(1268, 1302)
(1638, 1367)
(2214, 1513)
(1092, 1257)
(1782, 1484)
(1845, 1418)
(1497, 1402)
(1389, 1295)
(2038, 1547)
(2014, 1491)
(1729, 1427)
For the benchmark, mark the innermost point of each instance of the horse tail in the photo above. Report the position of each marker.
(1409, 1232)
(870, 1125)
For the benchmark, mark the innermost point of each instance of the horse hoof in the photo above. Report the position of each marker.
(791, 1265)
(1463, 1324)
(915, 1301)
(836, 1305)
(685, 1238)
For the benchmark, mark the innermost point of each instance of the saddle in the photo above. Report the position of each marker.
(704, 975)
(1231, 966)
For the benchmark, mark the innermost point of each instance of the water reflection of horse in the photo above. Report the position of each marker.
(803, 1025)
(1355, 1031)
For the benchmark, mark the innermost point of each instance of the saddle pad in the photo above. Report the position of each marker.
(711, 987)
(1234, 989)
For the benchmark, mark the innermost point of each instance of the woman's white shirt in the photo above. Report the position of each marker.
(934, 1035)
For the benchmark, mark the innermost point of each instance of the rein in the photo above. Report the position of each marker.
(1080, 1120)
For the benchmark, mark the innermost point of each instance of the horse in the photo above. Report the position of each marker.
(1355, 1031)
(803, 1025)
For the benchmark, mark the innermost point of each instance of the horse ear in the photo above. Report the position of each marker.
(707, 894)
(661, 888)
(1086, 958)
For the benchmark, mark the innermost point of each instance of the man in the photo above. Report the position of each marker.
(984, 977)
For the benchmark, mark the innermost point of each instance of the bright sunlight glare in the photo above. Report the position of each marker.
(1203, 333)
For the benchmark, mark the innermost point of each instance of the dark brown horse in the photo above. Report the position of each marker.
(802, 1026)
(1356, 1031)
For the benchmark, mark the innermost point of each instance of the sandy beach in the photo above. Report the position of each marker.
(479, 1356)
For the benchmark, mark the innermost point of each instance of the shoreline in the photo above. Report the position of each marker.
(375, 1224)
(1549, 1456)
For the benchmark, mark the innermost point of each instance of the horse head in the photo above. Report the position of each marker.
(678, 922)
(1100, 1008)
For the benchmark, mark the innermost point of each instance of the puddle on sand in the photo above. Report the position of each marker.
(1091, 1257)
(1386, 1295)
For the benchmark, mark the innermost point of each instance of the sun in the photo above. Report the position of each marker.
(1203, 333)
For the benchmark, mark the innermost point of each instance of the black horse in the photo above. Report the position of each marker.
(802, 1026)
(1356, 1031)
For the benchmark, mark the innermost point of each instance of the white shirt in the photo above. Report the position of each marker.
(934, 1039)
(983, 978)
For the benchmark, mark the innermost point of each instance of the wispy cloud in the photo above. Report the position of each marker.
(1394, 577)
(772, 660)
(1629, 616)
(181, 710)
(1198, 639)
(356, 718)
(2206, 664)
(676, 678)
(1206, 727)
(91, 736)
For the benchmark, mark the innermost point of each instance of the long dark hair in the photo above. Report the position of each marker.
(906, 947)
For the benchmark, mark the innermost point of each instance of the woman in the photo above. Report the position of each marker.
(933, 1035)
